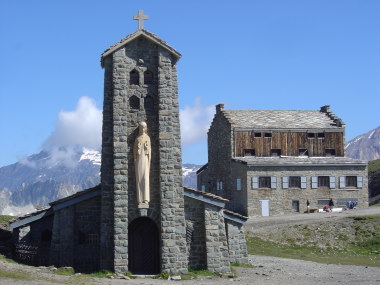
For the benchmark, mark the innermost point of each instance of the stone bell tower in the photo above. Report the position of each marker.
(140, 85)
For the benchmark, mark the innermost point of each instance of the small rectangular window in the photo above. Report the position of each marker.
(249, 152)
(303, 152)
(203, 188)
(330, 152)
(264, 182)
(275, 152)
(321, 135)
(268, 135)
(257, 135)
(294, 181)
(310, 135)
(351, 181)
(220, 185)
(324, 181)
(238, 184)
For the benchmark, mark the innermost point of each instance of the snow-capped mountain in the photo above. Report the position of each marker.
(365, 146)
(50, 175)
(47, 176)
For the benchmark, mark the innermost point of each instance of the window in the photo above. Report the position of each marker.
(268, 135)
(323, 202)
(134, 102)
(203, 188)
(219, 185)
(323, 181)
(238, 184)
(351, 181)
(249, 152)
(134, 77)
(148, 77)
(257, 135)
(264, 182)
(275, 152)
(93, 238)
(321, 135)
(303, 152)
(294, 182)
(310, 135)
(330, 152)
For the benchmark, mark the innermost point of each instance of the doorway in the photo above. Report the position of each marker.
(264, 208)
(143, 245)
(296, 205)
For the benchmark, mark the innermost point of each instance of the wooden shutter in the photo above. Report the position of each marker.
(314, 182)
(359, 182)
(285, 182)
(332, 182)
(273, 182)
(255, 182)
(303, 182)
(342, 181)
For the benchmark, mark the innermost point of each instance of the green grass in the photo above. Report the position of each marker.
(16, 275)
(202, 272)
(3, 258)
(4, 220)
(374, 165)
(65, 271)
(366, 251)
(244, 265)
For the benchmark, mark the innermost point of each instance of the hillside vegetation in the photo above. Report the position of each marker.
(351, 240)
(374, 165)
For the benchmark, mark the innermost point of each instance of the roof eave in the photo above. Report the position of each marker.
(135, 35)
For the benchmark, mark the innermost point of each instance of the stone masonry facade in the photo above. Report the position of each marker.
(247, 146)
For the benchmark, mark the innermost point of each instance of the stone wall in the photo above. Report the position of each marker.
(237, 246)
(76, 234)
(220, 149)
(216, 240)
(126, 104)
(195, 233)
(280, 200)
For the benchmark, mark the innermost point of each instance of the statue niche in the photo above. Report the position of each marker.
(142, 157)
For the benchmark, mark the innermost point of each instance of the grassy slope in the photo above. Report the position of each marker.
(374, 165)
(362, 247)
(4, 220)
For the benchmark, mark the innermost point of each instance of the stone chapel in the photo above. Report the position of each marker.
(147, 226)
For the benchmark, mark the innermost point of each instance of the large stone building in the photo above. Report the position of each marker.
(273, 162)
(109, 226)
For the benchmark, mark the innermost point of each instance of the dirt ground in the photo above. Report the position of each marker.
(268, 270)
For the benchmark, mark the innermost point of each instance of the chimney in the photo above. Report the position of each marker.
(325, 109)
(219, 108)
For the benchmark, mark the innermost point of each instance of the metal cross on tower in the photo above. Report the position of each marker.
(141, 17)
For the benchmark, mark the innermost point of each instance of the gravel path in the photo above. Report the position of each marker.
(269, 270)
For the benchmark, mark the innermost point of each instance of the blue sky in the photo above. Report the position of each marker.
(263, 54)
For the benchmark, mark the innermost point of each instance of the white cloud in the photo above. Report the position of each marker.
(195, 121)
(81, 127)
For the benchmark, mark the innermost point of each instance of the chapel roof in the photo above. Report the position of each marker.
(283, 119)
(206, 194)
(131, 37)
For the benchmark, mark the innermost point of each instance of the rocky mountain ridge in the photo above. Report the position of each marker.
(50, 175)
(365, 146)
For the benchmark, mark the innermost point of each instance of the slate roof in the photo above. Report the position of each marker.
(205, 194)
(298, 160)
(135, 35)
(279, 119)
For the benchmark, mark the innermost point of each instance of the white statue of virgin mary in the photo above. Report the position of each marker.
(142, 157)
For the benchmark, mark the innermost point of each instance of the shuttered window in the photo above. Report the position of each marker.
(255, 182)
(285, 182)
(238, 184)
(294, 182)
(303, 182)
(351, 181)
